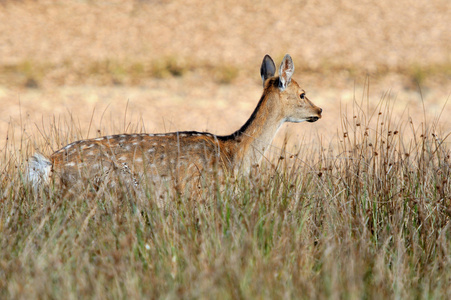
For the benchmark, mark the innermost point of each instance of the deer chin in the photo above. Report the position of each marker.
(312, 119)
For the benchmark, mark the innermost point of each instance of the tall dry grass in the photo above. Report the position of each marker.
(366, 216)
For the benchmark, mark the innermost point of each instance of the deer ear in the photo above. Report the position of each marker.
(268, 68)
(286, 70)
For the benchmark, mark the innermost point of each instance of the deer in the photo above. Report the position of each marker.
(181, 156)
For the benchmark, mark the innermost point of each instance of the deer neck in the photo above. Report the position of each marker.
(254, 138)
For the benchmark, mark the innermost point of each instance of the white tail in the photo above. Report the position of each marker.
(39, 170)
(181, 156)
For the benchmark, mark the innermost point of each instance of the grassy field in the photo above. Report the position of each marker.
(356, 205)
(365, 217)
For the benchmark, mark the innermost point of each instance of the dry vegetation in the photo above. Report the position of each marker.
(366, 217)
(356, 205)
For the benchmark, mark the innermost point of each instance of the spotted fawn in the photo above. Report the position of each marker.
(181, 156)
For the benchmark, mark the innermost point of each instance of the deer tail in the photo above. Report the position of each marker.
(39, 170)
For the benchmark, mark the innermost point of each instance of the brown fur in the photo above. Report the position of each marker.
(182, 156)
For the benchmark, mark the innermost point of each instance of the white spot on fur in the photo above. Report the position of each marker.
(70, 164)
(99, 139)
(123, 158)
(138, 159)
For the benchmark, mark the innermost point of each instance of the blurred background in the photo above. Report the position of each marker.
(162, 65)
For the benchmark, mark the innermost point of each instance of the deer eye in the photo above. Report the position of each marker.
(302, 96)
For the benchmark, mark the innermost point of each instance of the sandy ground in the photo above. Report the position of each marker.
(364, 34)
